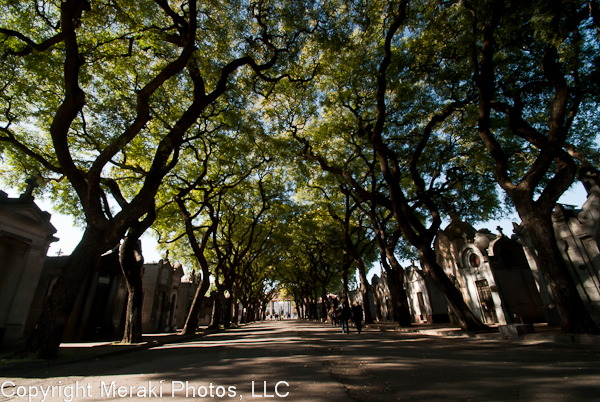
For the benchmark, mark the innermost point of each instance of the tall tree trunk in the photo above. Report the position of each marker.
(45, 339)
(395, 271)
(244, 312)
(263, 313)
(191, 322)
(301, 309)
(248, 314)
(550, 155)
(345, 267)
(574, 315)
(467, 320)
(377, 306)
(364, 289)
(132, 262)
(215, 321)
(236, 306)
(227, 312)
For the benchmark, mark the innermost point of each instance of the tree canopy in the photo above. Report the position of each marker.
(278, 144)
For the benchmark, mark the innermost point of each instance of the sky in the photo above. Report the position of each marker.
(69, 234)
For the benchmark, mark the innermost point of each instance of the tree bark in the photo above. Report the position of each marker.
(236, 307)
(364, 289)
(215, 321)
(345, 266)
(132, 261)
(227, 312)
(400, 308)
(191, 322)
(378, 316)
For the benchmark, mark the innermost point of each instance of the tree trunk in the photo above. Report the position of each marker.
(45, 339)
(364, 289)
(467, 320)
(345, 266)
(573, 313)
(244, 313)
(377, 307)
(215, 321)
(249, 313)
(227, 312)
(400, 307)
(301, 308)
(132, 262)
(236, 308)
(191, 322)
(254, 312)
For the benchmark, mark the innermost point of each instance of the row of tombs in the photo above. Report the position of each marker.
(27, 277)
(498, 276)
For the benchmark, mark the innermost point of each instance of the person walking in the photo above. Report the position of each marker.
(333, 316)
(357, 316)
(345, 312)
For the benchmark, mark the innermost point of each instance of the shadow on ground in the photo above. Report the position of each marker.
(320, 363)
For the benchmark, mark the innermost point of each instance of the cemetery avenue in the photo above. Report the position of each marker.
(298, 360)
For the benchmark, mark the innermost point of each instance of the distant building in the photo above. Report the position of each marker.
(281, 305)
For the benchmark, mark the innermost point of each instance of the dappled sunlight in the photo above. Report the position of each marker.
(315, 362)
(232, 342)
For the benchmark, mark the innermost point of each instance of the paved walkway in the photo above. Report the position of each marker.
(308, 361)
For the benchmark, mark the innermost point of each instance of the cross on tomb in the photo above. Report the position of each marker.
(32, 183)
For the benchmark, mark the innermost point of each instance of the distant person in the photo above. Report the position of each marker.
(344, 313)
(357, 316)
(333, 316)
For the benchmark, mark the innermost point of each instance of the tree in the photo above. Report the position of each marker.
(539, 109)
(132, 262)
(388, 237)
(197, 187)
(414, 143)
(356, 238)
(311, 268)
(245, 224)
(103, 95)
